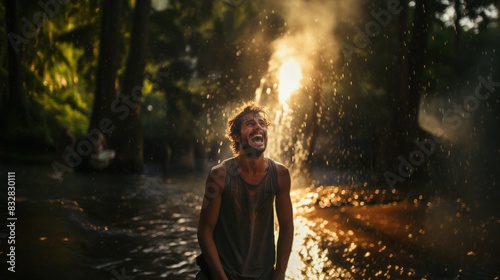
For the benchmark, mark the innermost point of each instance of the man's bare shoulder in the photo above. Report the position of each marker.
(218, 168)
(281, 168)
(284, 180)
(217, 174)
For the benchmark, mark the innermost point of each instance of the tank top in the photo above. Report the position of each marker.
(244, 233)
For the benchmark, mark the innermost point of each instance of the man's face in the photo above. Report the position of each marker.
(253, 135)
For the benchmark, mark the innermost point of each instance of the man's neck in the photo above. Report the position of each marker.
(251, 165)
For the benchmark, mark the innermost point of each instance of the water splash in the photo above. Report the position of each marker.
(288, 143)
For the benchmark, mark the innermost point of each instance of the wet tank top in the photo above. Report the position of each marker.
(244, 233)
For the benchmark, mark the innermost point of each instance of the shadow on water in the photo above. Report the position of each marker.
(105, 226)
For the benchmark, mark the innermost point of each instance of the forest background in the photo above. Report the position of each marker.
(381, 76)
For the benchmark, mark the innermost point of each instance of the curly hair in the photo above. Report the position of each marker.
(234, 123)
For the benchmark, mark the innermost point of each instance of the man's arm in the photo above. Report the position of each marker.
(284, 213)
(208, 219)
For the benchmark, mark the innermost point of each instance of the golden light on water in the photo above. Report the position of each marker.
(289, 74)
(309, 258)
(331, 239)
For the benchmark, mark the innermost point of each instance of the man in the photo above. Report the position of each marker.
(236, 227)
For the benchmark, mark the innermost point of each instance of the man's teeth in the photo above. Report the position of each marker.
(257, 138)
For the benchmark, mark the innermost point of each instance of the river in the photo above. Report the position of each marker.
(108, 226)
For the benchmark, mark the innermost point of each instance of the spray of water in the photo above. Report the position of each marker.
(297, 54)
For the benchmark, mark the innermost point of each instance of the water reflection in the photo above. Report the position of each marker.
(100, 226)
(392, 238)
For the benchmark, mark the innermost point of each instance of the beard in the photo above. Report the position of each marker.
(250, 151)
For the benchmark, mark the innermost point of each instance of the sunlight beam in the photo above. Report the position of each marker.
(289, 76)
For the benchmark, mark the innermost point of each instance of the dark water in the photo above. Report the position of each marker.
(103, 226)
(100, 226)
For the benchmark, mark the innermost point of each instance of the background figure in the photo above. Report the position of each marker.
(101, 156)
(101, 143)
(66, 140)
(167, 158)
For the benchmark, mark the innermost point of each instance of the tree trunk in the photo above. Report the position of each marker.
(14, 100)
(459, 71)
(129, 139)
(405, 127)
(107, 68)
(458, 28)
(393, 144)
(417, 50)
(412, 61)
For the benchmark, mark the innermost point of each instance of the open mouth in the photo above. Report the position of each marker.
(257, 139)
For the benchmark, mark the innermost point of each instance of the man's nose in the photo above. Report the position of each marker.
(259, 126)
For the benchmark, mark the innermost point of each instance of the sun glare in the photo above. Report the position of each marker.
(289, 76)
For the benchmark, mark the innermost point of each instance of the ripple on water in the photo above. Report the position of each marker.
(143, 226)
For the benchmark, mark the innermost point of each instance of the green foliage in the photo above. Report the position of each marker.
(196, 43)
(52, 62)
(205, 56)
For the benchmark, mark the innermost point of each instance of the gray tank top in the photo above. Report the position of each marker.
(244, 233)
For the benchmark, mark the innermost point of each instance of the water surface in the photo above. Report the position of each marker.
(106, 226)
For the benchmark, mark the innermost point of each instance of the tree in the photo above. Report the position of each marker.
(413, 44)
(107, 68)
(14, 99)
(128, 140)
